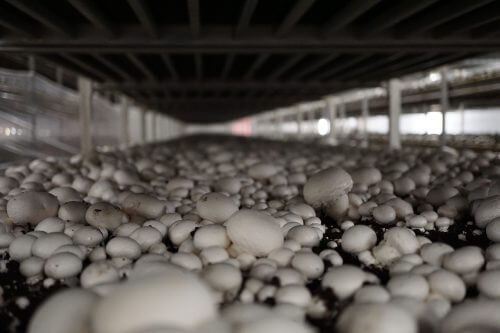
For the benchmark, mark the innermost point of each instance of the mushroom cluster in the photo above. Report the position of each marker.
(223, 234)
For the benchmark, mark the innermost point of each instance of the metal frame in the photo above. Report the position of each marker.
(361, 41)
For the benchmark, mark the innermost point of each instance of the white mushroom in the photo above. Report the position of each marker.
(32, 207)
(104, 215)
(66, 312)
(254, 232)
(328, 189)
(216, 207)
(169, 298)
(377, 318)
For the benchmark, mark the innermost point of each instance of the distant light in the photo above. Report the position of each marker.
(7, 131)
(323, 126)
(434, 76)
(13, 131)
(20, 132)
(434, 122)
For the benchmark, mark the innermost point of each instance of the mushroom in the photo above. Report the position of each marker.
(328, 189)
(66, 312)
(254, 232)
(32, 207)
(171, 297)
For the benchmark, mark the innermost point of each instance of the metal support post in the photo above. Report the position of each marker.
(281, 125)
(342, 115)
(461, 107)
(153, 127)
(299, 120)
(445, 102)
(143, 125)
(332, 115)
(31, 65)
(124, 120)
(365, 113)
(85, 112)
(394, 113)
(310, 123)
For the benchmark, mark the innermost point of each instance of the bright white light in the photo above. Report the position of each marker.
(323, 126)
(434, 122)
(13, 130)
(7, 131)
(434, 76)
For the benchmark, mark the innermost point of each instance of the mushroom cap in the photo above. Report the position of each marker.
(487, 210)
(168, 297)
(378, 318)
(32, 207)
(66, 311)
(324, 186)
(473, 316)
(216, 207)
(254, 232)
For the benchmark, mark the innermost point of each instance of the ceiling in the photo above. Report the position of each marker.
(213, 60)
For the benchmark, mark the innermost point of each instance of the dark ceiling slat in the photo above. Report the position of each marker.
(228, 64)
(246, 16)
(487, 30)
(87, 67)
(398, 12)
(475, 19)
(95, 15)
(17, 24)
(445, 59)
(67, 66)
(446, 12)
(280, 70)
(341, 66)
(41, 13)
(226, 85)
(261, 59)
(142, 67)
(293, 16)
(143, 13)
(170, 65)
(410, 60)
(216, 40)
(351, 11)
(314, 66)
(113, 67)
(194, 17)
(370, 66)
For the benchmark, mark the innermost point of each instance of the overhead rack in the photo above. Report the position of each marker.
(239, 57)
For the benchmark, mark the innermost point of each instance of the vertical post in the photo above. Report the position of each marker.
(299, 120)
(394, 113)
(332, 115)
(310, 123)
(124, 120)
(31, 68)
(342, 115)
(143, 126)
(31, 65)
(281, 124)
(462, 118)
(33, 127)
(153, 129)
(365, 113)
(85, 112)
(445, 103)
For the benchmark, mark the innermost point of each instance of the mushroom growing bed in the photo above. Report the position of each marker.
(225, 234)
